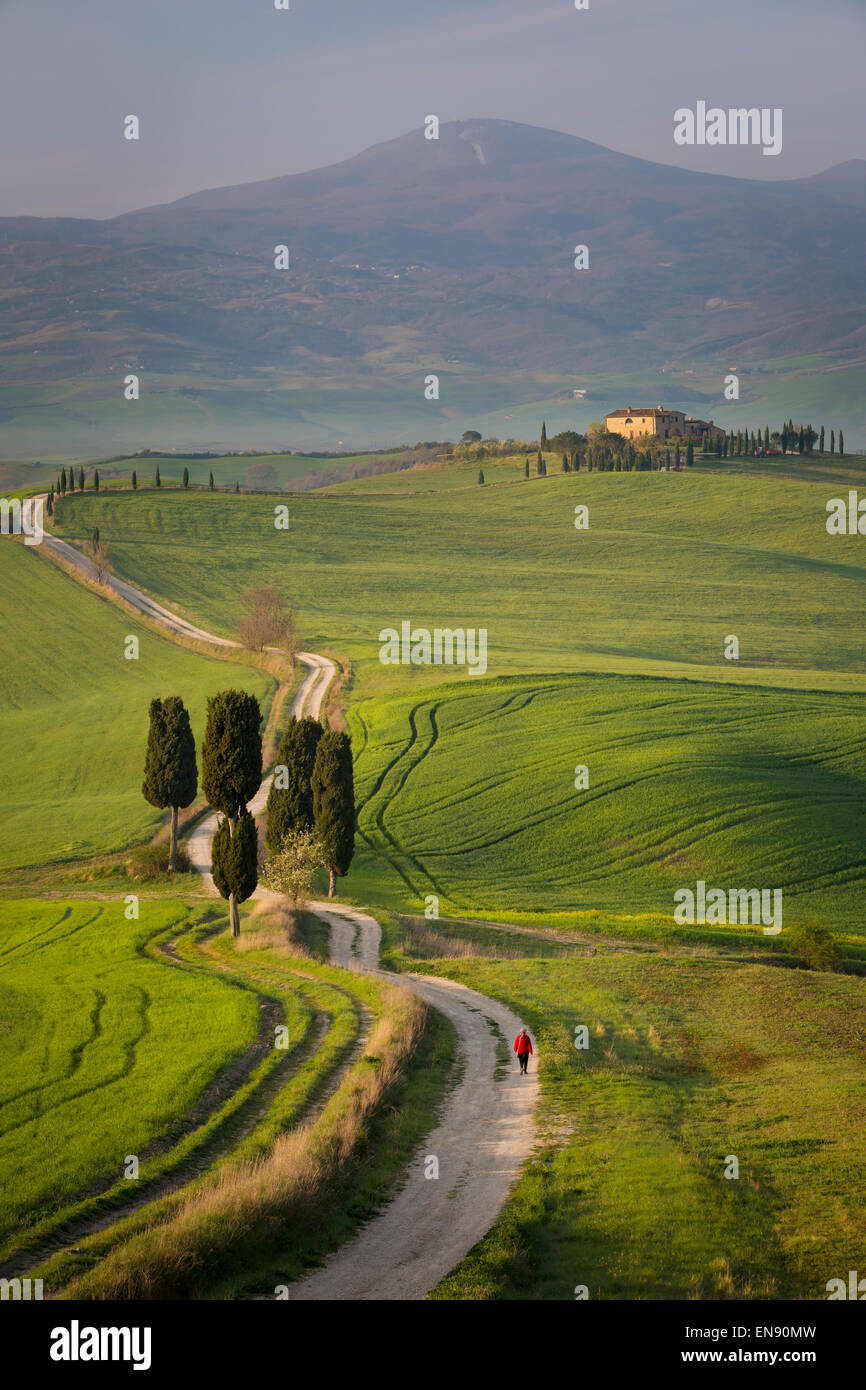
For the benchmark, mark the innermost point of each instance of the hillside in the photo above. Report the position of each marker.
(452, 255)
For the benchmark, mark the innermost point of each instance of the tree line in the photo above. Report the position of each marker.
(311, 802)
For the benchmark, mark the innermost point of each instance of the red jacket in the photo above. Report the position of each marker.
(522, 1044)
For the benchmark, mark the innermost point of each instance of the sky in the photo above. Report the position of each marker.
(229, 91)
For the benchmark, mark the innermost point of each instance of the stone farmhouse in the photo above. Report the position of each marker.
(662, 424)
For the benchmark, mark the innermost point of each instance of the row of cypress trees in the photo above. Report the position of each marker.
(313, 787)
(64, 484)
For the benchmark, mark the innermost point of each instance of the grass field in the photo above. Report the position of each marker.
(74, 712)
(102, 1047)
(469, 794)
(605, 650)
(670, 566)
(688, 1063)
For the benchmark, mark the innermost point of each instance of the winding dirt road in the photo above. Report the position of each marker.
(457, 1185)
(484, 1135)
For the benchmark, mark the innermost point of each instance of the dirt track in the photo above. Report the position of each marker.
(484, 1135)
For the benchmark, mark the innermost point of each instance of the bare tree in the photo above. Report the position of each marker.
(96, 551)
(268, 621)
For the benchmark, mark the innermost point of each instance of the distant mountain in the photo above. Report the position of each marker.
(418, 251)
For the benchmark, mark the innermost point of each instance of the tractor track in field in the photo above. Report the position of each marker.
(486, 1127)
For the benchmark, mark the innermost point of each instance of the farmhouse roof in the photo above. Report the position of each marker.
(642, 410)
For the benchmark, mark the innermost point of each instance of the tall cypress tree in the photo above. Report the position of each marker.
(231, 767)
(841, 443)
(96, 480)
(767, 437)
(63, 480)
(481, 475)
(81, 479)
(157, 480)
(543, 436)
(334, 803)
(186, 477)
(539, 465)
(134, 481)
(821, 440)
(290, 799)
(234, 861)
(832, 441)
(170, 773)
(210, 484)
(690, 454)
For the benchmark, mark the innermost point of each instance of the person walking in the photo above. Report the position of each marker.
(523, 1048)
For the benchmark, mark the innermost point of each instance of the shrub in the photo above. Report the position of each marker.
(815, 946)
(151, 861)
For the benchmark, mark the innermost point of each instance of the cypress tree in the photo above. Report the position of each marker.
(237, 487)
(50, 503)
(480, 476)
(543, 436)
(539, 467)
(334, 803)
(832, 441)
(667, 458)
(170, 773)
(290, 806)
(234, 861)
(210, 484)
(96, 480)
(231, 766)
(186, 477)
(767, 437)
(526, 469)
(821, 441)
(565, 467)
(841, 443)
(801, 441)
(134, 481)
(63, 480)
(690, 454)
(157, 479)
(81, 479)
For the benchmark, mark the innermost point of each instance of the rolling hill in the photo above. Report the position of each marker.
(453, 255)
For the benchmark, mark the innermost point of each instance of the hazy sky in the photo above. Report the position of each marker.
(233, 90)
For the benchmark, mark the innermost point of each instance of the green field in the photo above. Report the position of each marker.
(74, 712)
(669, 567)
(605, 651)
(102, 1047)
(468, 793)
(689, 1062)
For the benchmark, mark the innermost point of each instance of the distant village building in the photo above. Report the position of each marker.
(656, 421)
